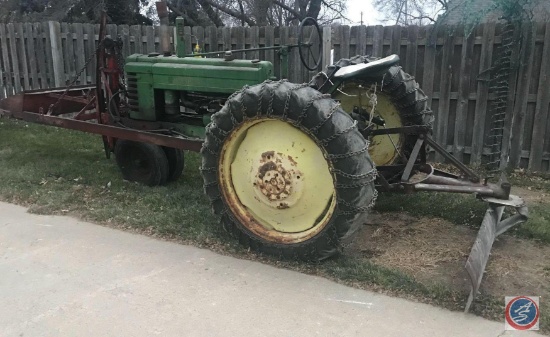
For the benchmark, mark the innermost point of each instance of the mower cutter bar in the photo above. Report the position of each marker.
(492, 226)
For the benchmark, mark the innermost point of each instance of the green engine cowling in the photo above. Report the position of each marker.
(156, 83)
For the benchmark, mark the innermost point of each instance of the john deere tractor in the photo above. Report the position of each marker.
(290, 169)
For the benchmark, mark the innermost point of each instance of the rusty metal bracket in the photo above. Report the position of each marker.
(107, 130)
(412, 159)
(492, 226)
(471, 174)
(406, 130)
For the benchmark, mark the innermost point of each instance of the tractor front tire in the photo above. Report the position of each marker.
(141, 162)
(287, 171)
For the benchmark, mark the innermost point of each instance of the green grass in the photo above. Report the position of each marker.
(538, 181)
(62, 172)
(56, 171)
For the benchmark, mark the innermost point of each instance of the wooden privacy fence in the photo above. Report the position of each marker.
(49, 54)
(452, 67)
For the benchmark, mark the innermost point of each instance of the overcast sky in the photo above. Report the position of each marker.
(355, 7)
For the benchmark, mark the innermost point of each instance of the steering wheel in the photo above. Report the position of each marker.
(305, 45)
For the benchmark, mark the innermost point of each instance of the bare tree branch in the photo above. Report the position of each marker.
(188, 20)
(420, 17)
(257, 12)
(212, 15)
(288, 9)
(339, 12)
(419, 11)
(443, 4)
(400, 12)
(231, 12)
(314, 8)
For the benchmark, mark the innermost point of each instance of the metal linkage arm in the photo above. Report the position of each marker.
(471, 174)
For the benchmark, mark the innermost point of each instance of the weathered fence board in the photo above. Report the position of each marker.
(14, 57)
(412, 49)
(451, 67)
(541, 112)
(80, 56)
(522, 92)
(378, 41)
(270, 41)
(461, 118)
(442, 120)
(428, 74)
(57, 53)
(6, 72)
(22, 53)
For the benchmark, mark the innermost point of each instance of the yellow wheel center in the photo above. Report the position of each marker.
(276, 180)
(383, 149)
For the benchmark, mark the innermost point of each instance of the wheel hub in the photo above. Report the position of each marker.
(277, 181)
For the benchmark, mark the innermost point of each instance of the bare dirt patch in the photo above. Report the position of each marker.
(531, 195)
(434, 251)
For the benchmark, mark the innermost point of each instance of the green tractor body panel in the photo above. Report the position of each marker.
(156, 83)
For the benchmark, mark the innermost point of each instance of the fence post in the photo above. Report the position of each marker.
(327, 45)
(57, 53)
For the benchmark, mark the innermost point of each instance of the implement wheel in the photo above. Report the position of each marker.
(288, 171)
(400, 102)
(142, 162)
(175, 162)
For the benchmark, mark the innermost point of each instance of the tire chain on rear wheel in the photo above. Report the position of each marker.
(351, 167)
(407, 96)
(404, 92)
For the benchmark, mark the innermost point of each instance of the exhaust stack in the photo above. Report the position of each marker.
(162, 11)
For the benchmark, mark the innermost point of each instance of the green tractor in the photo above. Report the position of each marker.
(291, 170)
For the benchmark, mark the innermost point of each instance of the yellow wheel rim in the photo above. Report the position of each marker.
(276, 181)
(382, 148)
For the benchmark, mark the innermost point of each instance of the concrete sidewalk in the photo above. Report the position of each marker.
(64, 277)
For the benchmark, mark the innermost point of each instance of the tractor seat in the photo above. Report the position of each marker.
(371, 69)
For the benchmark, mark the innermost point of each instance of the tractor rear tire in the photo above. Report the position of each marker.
(404, 96)
(141, 162)
(310, 155)
(176, 163)
(410, 100)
